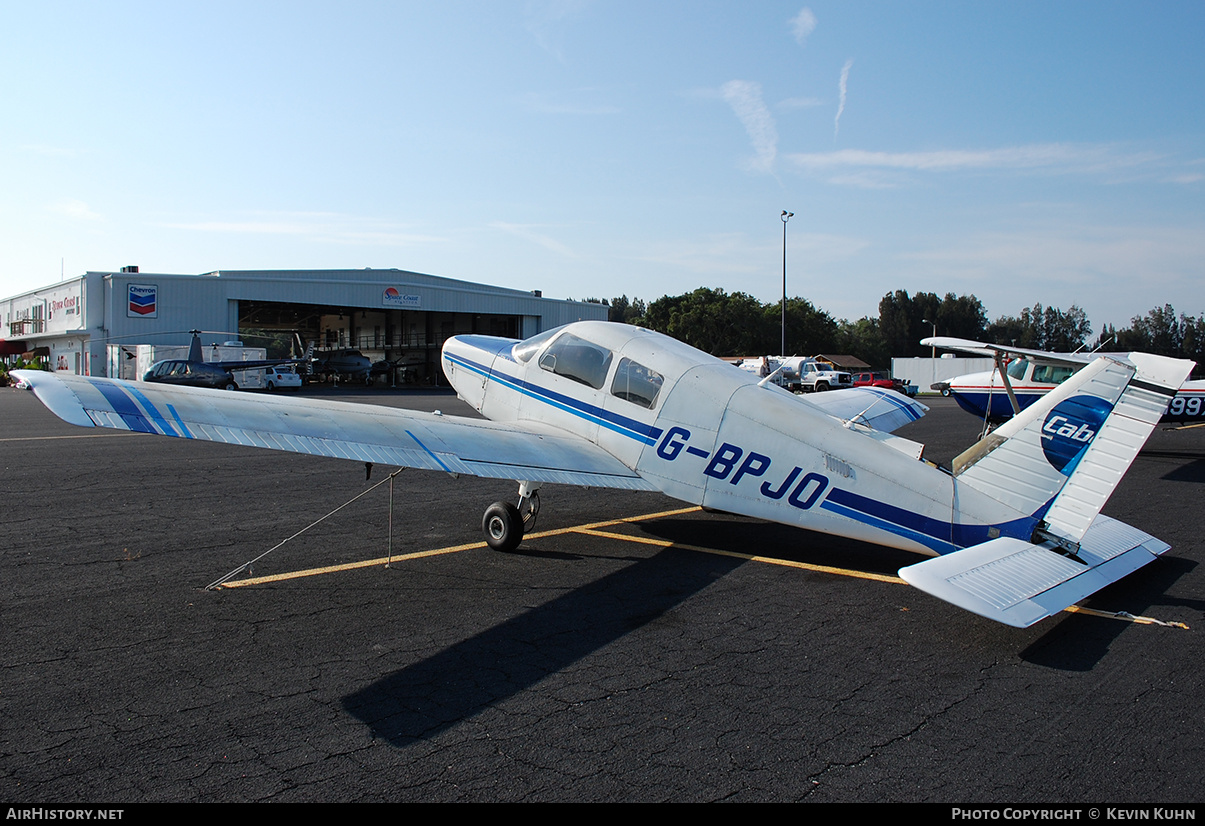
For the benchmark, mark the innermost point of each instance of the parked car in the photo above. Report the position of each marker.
(881, 379)
(276, 378)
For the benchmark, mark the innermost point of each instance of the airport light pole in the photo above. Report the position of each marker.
(933, 349)
(786, 216)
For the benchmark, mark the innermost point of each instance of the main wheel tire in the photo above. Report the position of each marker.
(503, 526)
(945, 391)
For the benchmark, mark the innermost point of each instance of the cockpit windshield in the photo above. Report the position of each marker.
(527, 348)
(1016, 370)
(577, 359)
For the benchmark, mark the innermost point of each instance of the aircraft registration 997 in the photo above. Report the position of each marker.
(1014, 525)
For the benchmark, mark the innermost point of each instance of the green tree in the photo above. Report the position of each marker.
(809, 330)
(863, 339)
(904, 320)
(714, 321)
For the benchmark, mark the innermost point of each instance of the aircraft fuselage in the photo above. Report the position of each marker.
(710, 435)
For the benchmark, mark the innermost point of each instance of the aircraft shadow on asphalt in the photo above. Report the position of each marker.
(421, 700)
(1079, 642)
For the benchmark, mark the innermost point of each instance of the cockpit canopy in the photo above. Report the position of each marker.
(585, 362)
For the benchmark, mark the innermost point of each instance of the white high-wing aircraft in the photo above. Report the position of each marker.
(1015, 525)
(998, 393)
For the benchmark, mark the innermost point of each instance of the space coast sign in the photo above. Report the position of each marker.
(393, 297)
(143, 301)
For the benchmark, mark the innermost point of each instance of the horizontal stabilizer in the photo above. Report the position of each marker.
(878, 409)
(1017, 583)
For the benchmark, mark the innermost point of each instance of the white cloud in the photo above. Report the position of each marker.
(77, 209)
(545, 21)
(542, 103)
(528, 233)
(745, 98)
(842, 85)
(330, 228)
(802, 25)
(1071, 263)
(1052, 157)
(49, 151)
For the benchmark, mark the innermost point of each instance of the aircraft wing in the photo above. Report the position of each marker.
(983, 348)
(360, 432)
(878, 409)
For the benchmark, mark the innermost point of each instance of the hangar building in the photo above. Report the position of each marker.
(386, 314)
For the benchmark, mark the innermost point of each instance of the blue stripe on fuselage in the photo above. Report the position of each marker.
(631, 428)
(943, 537)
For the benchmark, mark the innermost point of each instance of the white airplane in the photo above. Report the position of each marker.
(1015, 525)
(998, 393)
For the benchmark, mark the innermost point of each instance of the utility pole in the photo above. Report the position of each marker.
(786, 216)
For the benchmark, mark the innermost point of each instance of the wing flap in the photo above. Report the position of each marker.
(359, 432)
(1017, 583)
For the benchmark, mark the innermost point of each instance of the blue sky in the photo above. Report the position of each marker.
(1024, 152)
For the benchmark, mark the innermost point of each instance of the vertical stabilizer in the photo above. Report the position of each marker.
(1060, 459)
(1106, 459)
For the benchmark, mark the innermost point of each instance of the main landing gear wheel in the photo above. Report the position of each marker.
(503, 526)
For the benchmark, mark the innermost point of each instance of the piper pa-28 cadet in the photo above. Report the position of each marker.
(1014, 526)
(195, 371)
(996, 394)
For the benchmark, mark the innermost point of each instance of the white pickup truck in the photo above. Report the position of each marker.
(799, 373)
(813, 376)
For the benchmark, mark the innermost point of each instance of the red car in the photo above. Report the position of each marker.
(879, 379)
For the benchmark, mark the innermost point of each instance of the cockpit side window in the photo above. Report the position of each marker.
(636, 383)
(577, 359)
(1050, 374)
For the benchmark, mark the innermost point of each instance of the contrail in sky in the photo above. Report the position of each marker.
(841, 85)
(746, 101)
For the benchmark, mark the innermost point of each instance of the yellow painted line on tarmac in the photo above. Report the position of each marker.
(1125, 617)
(348, 566)
(380, 561)
(768, 560)
(597, 529)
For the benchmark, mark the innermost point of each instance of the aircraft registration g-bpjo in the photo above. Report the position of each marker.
(1015, 525)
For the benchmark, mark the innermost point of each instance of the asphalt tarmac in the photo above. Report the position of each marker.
(631, 650)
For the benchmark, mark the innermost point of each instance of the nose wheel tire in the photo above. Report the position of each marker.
(503, 526)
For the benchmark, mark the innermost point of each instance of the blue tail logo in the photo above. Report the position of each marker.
(1069, 429)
